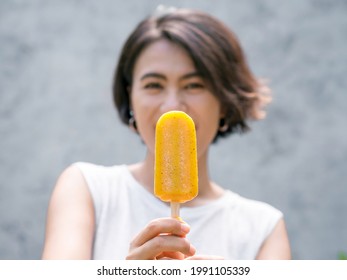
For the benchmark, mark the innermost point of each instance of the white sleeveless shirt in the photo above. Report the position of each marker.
(232, 226)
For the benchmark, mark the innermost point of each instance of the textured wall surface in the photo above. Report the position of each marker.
(56, 63)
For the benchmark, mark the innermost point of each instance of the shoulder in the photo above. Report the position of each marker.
(276, 245)
(253, 208)
(260, 224)
(70, 179)
(70, 185)
(106, 184)
(91, 168)
(96, 175)
(257, 218)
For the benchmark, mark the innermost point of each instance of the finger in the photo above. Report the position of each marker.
(160, 226)
(159, 244)
(205, 257)
(171, 256)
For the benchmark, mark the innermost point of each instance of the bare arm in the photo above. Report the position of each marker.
(276, 246)
(70, 219)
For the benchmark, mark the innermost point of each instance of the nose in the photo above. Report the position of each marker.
(174, 100)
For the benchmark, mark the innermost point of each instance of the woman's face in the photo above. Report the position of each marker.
(165, 79)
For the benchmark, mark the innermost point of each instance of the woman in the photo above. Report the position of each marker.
(182, 60)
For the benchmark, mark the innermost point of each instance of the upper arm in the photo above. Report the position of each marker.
(276, 246)
(70, 218)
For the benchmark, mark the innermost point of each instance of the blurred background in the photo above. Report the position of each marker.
(57, 59)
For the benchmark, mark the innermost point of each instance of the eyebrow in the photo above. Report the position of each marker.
(191, 75)
(153, 75)
(163, 77)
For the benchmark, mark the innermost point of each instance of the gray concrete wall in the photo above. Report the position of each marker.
(56, 64)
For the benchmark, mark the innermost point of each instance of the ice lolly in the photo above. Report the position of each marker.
(176, 167)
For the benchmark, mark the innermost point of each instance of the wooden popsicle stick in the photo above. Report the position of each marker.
(175, 210)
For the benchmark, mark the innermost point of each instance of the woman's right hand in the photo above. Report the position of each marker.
(163, 238)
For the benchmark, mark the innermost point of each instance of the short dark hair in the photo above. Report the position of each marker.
(217, 55)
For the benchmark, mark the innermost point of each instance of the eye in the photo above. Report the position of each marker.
(153, 85)
(194, 86)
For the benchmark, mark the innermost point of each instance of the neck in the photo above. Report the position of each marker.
(144, 174)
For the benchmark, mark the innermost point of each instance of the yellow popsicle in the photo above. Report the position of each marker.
(176, 168)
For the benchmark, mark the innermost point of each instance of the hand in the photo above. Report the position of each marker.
(205, 257)
(161, 239)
